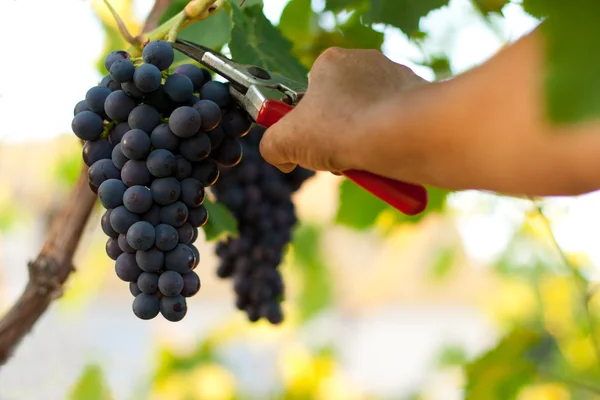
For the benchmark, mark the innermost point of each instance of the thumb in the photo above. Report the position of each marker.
(276, 148)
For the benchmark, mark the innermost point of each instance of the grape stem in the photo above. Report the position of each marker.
(51, 268)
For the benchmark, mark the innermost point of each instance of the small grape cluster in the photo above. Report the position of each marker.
(260, 197)
(148, 135)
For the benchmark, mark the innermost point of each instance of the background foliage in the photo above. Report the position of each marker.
(547, 311)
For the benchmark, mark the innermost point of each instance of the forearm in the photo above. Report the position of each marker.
(487, 130)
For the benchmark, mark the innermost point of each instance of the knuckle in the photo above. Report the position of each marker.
(332, 54)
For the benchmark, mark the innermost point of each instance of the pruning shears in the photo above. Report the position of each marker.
(267, 97)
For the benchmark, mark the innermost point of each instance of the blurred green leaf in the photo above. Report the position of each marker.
(452, 356)
(113, 41)
(317, 285)
(67, 169)
(573, 86)
(491, 6)
(359, 209)
(221, 221)
(174, 8)
(403, 14)
(298, 21)
(535, 8)
(170, 362)
(443, 262)
(91, 385)
(213, 32)
(254, 40)
(500, 373)
(339, 5)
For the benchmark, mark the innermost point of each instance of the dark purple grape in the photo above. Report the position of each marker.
(147, 78)
(158, 53)
(163, 138)
(193, 72)
(141, 235)
(95, 97)
(191, 284)
(122, 70)
(152, 260)
(196, 148)
(146, 306)
(79, 107)
(165, 190)
(110, 193)
(152, 216)
(162, 163)
(113, 56)
(185, 233)
(106, 227)
(138, 199)
(181, 259)
(148, 282)
(135, 173)
(167, 237)
(87, 125)
(192, 192)
(173, 308)
(216, 137)
(126, 268)
(117, 157)
(229, 153)
(117, 133)
(170, 283)
(121, 219)
(118, 105)
(175, 214)
(124, 246)
(136, 145)
(184, 168)
(184, 121)
(236, 123)
(216, 92)
(134, 289)
(198, 216)
(112, 248)
(206, 171)
(144, 117)
(95, 150)
(179, 88)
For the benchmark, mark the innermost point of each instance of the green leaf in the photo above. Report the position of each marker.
(535, 8)
(91, 385)
(174, 8)
(573, 58)
(339, 5)
(317, 286)
(221, 221)
(500, 373)
(213, 32)
(443, 262)
(113, 41)
(360, 209)
(358, 36)
(254, 40)
(490, 6)
(403, 14)
(298, 21)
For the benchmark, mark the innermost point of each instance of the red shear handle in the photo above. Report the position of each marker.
(408, 198)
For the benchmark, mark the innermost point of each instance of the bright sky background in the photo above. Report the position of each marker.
(48, 55)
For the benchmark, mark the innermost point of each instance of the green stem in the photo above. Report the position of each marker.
(107, 128)
(580, 280)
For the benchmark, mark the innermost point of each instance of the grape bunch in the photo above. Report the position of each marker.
(259, 196)
(153, 140)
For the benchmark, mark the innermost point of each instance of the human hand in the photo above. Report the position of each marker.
(331, 126)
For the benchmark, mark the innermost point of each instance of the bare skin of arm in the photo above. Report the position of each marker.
(485, 129)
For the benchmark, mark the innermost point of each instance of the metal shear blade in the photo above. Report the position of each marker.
(240, 76)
